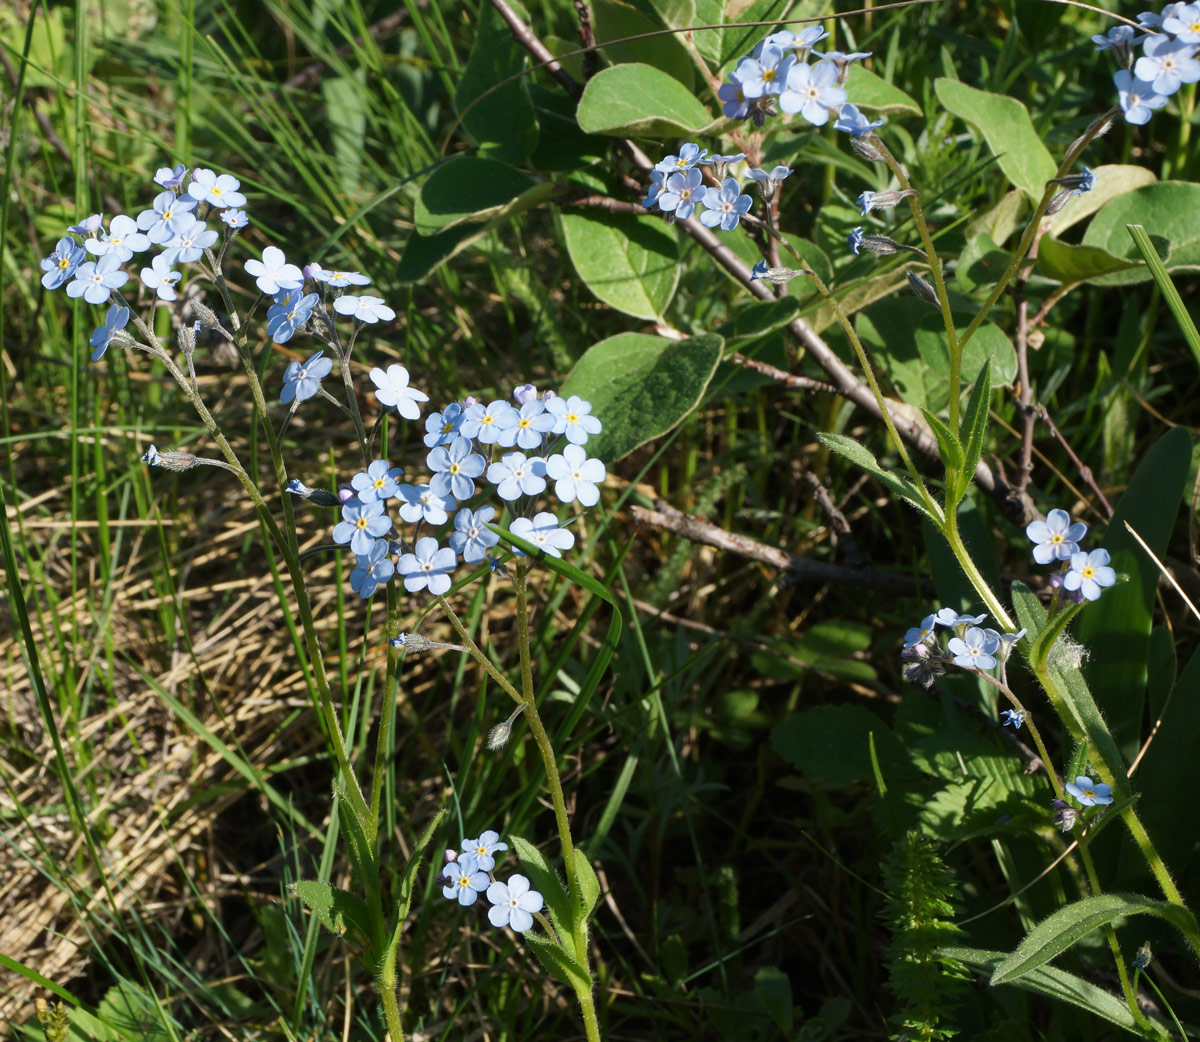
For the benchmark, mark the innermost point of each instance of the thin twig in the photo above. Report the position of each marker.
(1084, 471)
(799, 569)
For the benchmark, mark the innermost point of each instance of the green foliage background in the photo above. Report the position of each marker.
(753, 757)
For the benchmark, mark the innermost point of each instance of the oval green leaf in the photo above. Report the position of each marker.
(1170, 213)
(468, 189)
(630, 262)
(1008, 131)
(636, 100)
(642, 386)
(875, 93)
(1069, 264)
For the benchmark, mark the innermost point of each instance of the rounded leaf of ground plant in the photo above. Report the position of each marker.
(638, 100)
(1007, 129)
(424, 253)
(631, 263)
(1170, 213)
(617, 25)
(869, 91)
(468, 189)
(833, 744)
(642, 386)
(1068, 263)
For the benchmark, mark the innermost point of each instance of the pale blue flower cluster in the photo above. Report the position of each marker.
(776, 75)
(970, 647)
(171, 224)
(1170, 45)
(516, 449)
(1084, 575)
(469, 873)
(175, 223)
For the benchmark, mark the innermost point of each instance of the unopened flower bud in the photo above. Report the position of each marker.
(524, 393)
(778, 276)
(1142, 959)
(320, 496)
(1066, 816)
(499, 735)
(206, 315)
(922, 288)
(864, 148)
(880, 244)
(345, 493)
(868, 201)
(178, 461)
(449, 856)
(414, 643)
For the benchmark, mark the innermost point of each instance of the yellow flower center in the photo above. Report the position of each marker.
(487, 419)
(379, 482)
(1056, 537)
(361, 522)
(214, 190)
(523, 422)
(572, 417)
(63, 263)
(454, 468)
(447, 428)
(1089, 572)
(768, 75)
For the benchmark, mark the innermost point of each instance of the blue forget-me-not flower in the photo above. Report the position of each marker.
(421, 503)
(273, 272)
(465, 881)
(1056, 537)
(453, 467)
(484, 848)
(544, 532)
(1089, 572)
(513, 904)
(1089, 793)
(393, 391)
(115, 320)
(61, 264)
(95, 280)
(373, 569)
(515, 476)
(378, 481)
(471, 537)
(575, 476)
(302, 382)
(974, 650)
(428, 567)
(361, 524)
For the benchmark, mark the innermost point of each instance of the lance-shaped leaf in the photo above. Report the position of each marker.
(1055, 935)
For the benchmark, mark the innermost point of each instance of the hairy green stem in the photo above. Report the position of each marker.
(1019, 254)
(865, 362)
(1110, 935)
(477, 653)
(939, 283)
(284, 540)
(541, 737)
